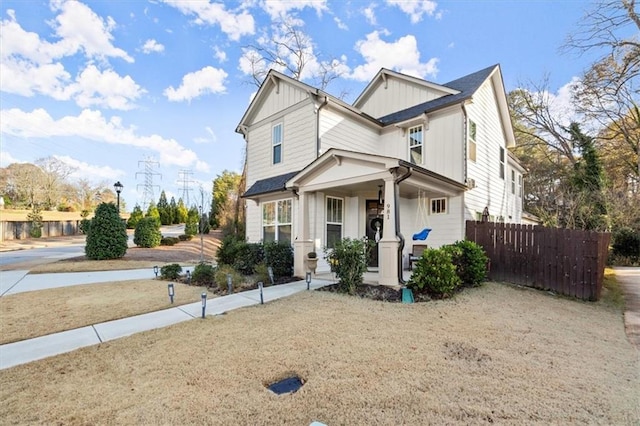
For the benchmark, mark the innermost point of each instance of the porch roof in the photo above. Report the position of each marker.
(268, 185)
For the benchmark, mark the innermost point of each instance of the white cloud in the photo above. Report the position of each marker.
(105, 89)
(92, 125)
(195, 84)
(26, 79)
(279, 9)
(416, 8)
(212, 138)
(370, 14)
(83, 170)
(235, 25)
(340, 23)
(151, 46)
(220, 54)
(402, 56)
(80, 28)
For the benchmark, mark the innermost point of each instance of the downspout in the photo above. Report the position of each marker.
(318, 142)
(396, 196)
(464, 166)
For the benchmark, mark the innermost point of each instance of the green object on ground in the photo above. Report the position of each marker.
(407, 295)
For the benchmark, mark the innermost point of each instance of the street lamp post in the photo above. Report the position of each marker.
(118, 187)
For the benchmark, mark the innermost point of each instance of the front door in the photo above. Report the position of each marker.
(375, 213)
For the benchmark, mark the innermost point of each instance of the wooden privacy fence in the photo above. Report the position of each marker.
(567, 261)
(20, 230)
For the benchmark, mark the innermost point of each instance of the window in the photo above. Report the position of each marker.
(501, 163)
(276, 138)
(472, 140)
(415, 144)
(334, 221)
(519, 185)
(438, 206)
(276, 221)
(513, 181)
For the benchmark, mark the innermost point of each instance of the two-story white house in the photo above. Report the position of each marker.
(406, 156)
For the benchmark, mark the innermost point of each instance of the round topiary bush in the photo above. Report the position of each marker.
(107, 236)
(203, 274)
(170, 272)
(435, 274)
(147, 233)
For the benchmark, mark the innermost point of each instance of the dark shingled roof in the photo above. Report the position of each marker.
(467, 85)
(272, 184)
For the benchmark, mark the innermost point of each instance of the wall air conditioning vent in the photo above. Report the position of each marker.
(471, 183)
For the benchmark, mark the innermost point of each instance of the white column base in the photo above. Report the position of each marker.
(388, 262)
(300, 250)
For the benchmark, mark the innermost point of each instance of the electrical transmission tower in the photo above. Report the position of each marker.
(148, 186)
(186, 185)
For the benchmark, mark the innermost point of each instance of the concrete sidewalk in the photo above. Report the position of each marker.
(45, 346)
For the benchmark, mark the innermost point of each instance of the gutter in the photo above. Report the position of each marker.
(396, 196)
(322, 105)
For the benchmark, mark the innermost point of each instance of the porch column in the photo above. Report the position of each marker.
(302, 244)
(389, 244)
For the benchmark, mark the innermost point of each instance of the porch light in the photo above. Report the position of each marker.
(155, 270)
(203, 296)
(380, 199)
(171, 292)
(307, 278)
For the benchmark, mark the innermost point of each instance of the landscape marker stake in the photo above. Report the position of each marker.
(261, 297)
(204, 303)
(171, 292)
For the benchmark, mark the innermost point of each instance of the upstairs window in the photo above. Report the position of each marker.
(513, 181)
(472, 140)
(501, 163)
(276, 139)
(415, 135)
(520, 186)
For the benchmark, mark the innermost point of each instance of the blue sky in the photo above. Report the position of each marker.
(105, 85)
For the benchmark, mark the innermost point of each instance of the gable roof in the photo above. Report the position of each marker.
(268, 185)
(466, 86)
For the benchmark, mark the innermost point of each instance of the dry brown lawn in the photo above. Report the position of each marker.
(496, 354)
(38, 313)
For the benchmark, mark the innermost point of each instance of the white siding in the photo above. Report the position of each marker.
(298, 143)
(443, 147)
(340, 131)
(490, 190)
(396, 96)
(286, 96)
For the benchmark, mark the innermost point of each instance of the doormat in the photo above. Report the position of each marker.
(288, 385)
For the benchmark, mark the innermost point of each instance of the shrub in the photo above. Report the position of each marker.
(228, 250)
(279, 255)
(248, 256)
(203, 274)
(170, 272)
(221, 277)
(107, 237)
(135, 217)
(470, 261)
(85, 225)
(169, 241)
(626, 243)
(348, 259)
(434, 273)
(185, 237)
(262, 273)
(35, 217)
(147, 233)
(191, 225)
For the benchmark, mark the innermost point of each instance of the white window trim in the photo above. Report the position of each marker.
(277, 222)
(421, 144)
(473, 141)
(438, 211)
(273, 144)
(513, 182)
(520, 179)
(327, 222)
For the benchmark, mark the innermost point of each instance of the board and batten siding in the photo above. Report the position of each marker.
(490, 190)
(278, 100)
(343, 132)
(395, 95)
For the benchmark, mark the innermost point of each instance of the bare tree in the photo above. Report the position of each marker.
(55, 174)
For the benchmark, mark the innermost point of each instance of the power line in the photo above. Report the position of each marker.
(148, 186)
(186, 185)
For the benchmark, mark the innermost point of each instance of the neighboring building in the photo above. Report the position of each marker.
(407, 155)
